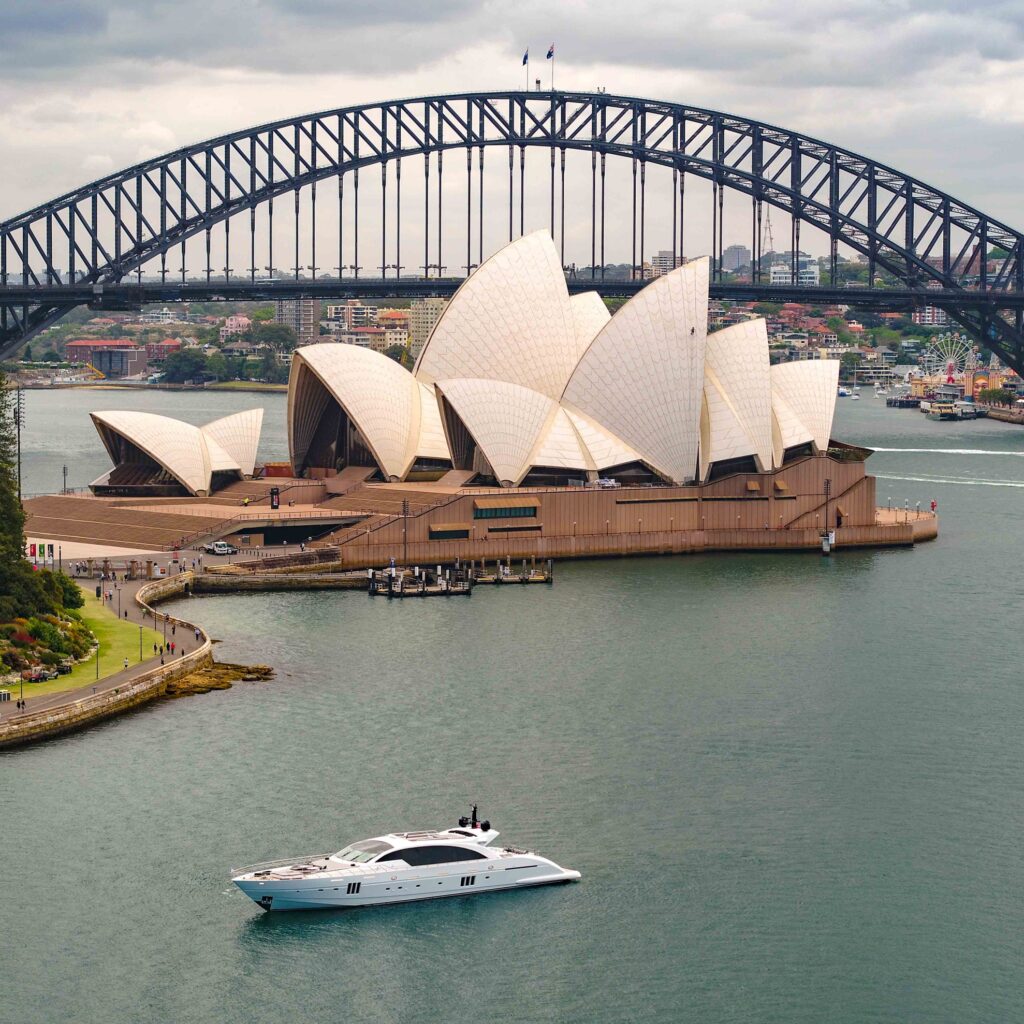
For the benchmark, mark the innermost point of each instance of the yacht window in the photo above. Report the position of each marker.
(418, 856)
(362, 852)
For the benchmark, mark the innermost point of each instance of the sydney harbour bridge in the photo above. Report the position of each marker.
(171, 228)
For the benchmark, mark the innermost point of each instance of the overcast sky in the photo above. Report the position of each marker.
(934, 87)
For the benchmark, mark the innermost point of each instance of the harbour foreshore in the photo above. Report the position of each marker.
(143, 685)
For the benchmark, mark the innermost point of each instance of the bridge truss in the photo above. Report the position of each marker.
(111, 243)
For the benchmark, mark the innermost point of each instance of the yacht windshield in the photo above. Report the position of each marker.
(362, 852)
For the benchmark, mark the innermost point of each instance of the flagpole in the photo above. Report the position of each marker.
(552, 72)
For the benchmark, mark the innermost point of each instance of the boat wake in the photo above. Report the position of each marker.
(943, 480)
(950, 451)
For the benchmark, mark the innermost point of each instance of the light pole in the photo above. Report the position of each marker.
(140, 642)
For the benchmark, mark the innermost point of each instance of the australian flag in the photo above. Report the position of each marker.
(551, 52)
(526, 57)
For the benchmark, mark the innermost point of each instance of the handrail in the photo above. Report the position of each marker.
(284, 862)
(11, 726)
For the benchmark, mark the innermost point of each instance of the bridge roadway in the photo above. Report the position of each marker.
(132, 295)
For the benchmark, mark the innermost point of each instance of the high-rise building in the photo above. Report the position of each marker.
(423, 314)
(353, 313)
(930, 316)
(735, 256)
(302, 316)
(807, 274)
(662, 264)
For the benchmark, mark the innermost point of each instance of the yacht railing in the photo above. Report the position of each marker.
(286, 862)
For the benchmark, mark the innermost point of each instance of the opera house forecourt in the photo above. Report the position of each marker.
(533, 425)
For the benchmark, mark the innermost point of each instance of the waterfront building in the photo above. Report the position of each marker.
(112, 357)
(302, 316)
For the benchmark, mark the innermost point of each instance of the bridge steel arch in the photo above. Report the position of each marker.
(920, 237)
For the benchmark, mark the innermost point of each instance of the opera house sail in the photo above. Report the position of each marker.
(520, 384)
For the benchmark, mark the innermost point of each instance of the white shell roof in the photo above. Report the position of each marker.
(561, 447)
(178, 447)
(506, 420)
(642, 377)
(377, 394)
(541, 379)
(804, 402)
(510, 321)
(604, 449)
(737, 396)
(432, 443)
(239, 436)
(589, 315)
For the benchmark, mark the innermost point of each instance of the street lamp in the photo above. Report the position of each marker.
(140, 641)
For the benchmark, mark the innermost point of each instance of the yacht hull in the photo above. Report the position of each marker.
(336, 893)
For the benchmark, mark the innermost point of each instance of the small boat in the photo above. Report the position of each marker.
(400, 867)
(843, 392)
(854, 397)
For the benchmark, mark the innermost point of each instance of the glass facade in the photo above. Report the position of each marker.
(506, 512)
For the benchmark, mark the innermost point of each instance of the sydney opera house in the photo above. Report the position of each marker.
(522, 385)
(533, 423)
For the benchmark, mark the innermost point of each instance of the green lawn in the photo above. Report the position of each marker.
(118, 640)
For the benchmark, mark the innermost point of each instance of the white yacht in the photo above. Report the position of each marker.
(400, 867)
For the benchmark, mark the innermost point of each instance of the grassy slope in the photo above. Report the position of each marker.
(118, 640)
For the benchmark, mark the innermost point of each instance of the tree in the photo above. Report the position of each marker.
(217, 366)
(188, 364)
(263, 314)
(23, 591)
(397, 352)
(278, 336)
(50, 356)
(997, 396)
(26, 355)
(767, 308)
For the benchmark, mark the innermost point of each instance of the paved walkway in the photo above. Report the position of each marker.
(183, 637)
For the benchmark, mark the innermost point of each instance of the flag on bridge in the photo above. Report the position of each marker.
(551, 52)
(526, 58)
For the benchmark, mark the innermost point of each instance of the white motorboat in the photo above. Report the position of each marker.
(400, 867)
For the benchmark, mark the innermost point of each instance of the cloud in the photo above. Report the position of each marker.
(930, 87)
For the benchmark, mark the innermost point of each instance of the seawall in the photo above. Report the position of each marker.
(86, 711)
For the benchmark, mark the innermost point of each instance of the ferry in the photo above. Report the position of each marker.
(400, 867)
(942, 411)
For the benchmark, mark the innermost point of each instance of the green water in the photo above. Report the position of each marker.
(793, 786)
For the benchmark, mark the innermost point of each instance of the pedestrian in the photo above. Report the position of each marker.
(154, 650)
(174, 629)
(126, 664)
(197, 634)
(126, 613)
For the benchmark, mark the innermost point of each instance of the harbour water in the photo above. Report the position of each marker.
(793, 784)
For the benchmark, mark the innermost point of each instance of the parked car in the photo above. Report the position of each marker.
(64, 668)
(220, 547)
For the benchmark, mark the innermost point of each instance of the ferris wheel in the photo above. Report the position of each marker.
(950, 354)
